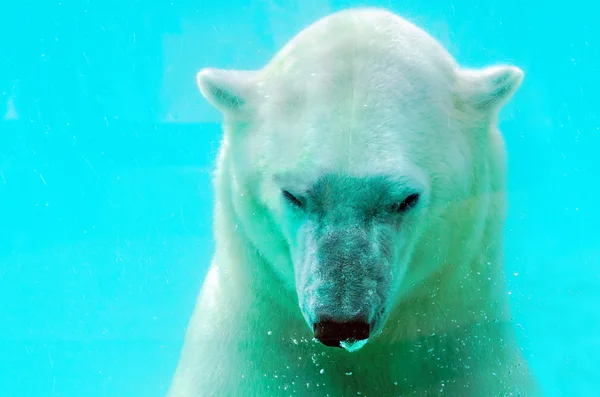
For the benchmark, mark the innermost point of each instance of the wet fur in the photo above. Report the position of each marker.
(331, 111)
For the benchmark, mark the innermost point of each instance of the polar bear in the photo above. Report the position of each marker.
(360, 204)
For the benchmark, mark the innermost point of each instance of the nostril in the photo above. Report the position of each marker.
(331, 333)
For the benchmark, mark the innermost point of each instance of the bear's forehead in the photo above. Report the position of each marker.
(360, 87)
(357, 99)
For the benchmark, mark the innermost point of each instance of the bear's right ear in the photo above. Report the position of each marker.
(227, 90)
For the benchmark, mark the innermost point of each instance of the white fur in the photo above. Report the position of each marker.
(360, 93)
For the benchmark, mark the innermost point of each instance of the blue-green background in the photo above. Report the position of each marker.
(106, 150)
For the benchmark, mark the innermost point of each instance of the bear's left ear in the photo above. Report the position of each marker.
(227, 90)
(490, 88)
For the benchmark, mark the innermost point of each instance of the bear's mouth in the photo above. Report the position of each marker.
(351, 335)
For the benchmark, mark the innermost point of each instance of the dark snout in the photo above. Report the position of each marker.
(339, 285)
(332, 333)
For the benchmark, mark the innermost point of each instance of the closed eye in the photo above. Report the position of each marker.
(295, 201)
(407, 204)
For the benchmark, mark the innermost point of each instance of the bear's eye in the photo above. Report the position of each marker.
(408, 203)
(295, 201)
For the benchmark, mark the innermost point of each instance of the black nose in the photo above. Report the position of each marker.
(331, 333)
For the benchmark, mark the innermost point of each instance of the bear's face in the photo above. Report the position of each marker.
(350, 241)
(339, 162)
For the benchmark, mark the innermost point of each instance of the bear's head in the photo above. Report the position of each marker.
(346, 154)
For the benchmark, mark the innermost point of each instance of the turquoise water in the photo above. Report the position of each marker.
(106, 149)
